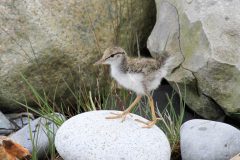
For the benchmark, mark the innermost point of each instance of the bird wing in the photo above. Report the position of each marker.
(143, 65)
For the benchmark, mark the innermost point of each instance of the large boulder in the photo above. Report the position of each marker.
(207, 34)
(54, 43)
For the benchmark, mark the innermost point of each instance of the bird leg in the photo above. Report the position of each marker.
(126, 112)
(151, 123)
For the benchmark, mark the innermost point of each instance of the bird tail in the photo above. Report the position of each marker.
(163, 56)
(167, 63)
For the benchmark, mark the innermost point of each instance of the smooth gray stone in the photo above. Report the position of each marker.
(90, 136)
(42, 130)
(209, 140)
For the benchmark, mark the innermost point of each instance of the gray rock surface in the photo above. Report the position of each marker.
(5, 125)
(90, 136)
(208, 140)
(206, 33)
(56, 42)
(39, 134)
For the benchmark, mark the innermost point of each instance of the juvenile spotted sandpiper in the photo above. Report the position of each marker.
(141, 75)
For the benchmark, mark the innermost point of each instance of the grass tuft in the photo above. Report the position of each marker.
(111, 98)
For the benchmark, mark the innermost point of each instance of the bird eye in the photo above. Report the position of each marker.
(112, 56)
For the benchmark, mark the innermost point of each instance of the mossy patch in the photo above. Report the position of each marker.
(190, 36)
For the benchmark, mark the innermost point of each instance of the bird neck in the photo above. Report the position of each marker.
(120, 65)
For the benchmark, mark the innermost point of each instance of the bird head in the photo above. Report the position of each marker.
(112, 55)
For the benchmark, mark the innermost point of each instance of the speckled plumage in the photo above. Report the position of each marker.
(140, 75)
(143, 65)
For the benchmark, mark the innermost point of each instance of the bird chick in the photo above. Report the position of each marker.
(140, 75)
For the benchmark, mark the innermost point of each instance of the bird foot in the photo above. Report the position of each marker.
(148, 124)
(122, 115)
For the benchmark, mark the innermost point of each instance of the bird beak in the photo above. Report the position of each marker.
(99, 62)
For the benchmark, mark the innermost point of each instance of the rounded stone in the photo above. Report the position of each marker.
(90, 136)
(204, 139)
(38, 134)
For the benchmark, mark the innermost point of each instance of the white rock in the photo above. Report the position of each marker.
(89, 136)
(42, 130)
(209, 140)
